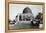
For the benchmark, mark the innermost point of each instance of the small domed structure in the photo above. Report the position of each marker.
(27, 10)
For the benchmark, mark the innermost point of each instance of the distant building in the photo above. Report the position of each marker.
(25, 17)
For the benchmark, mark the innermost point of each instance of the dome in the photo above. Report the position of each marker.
(27, 10)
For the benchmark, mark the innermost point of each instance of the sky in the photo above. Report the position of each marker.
(15, 9)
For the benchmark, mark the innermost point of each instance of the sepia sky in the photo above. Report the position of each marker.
(14, 9)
